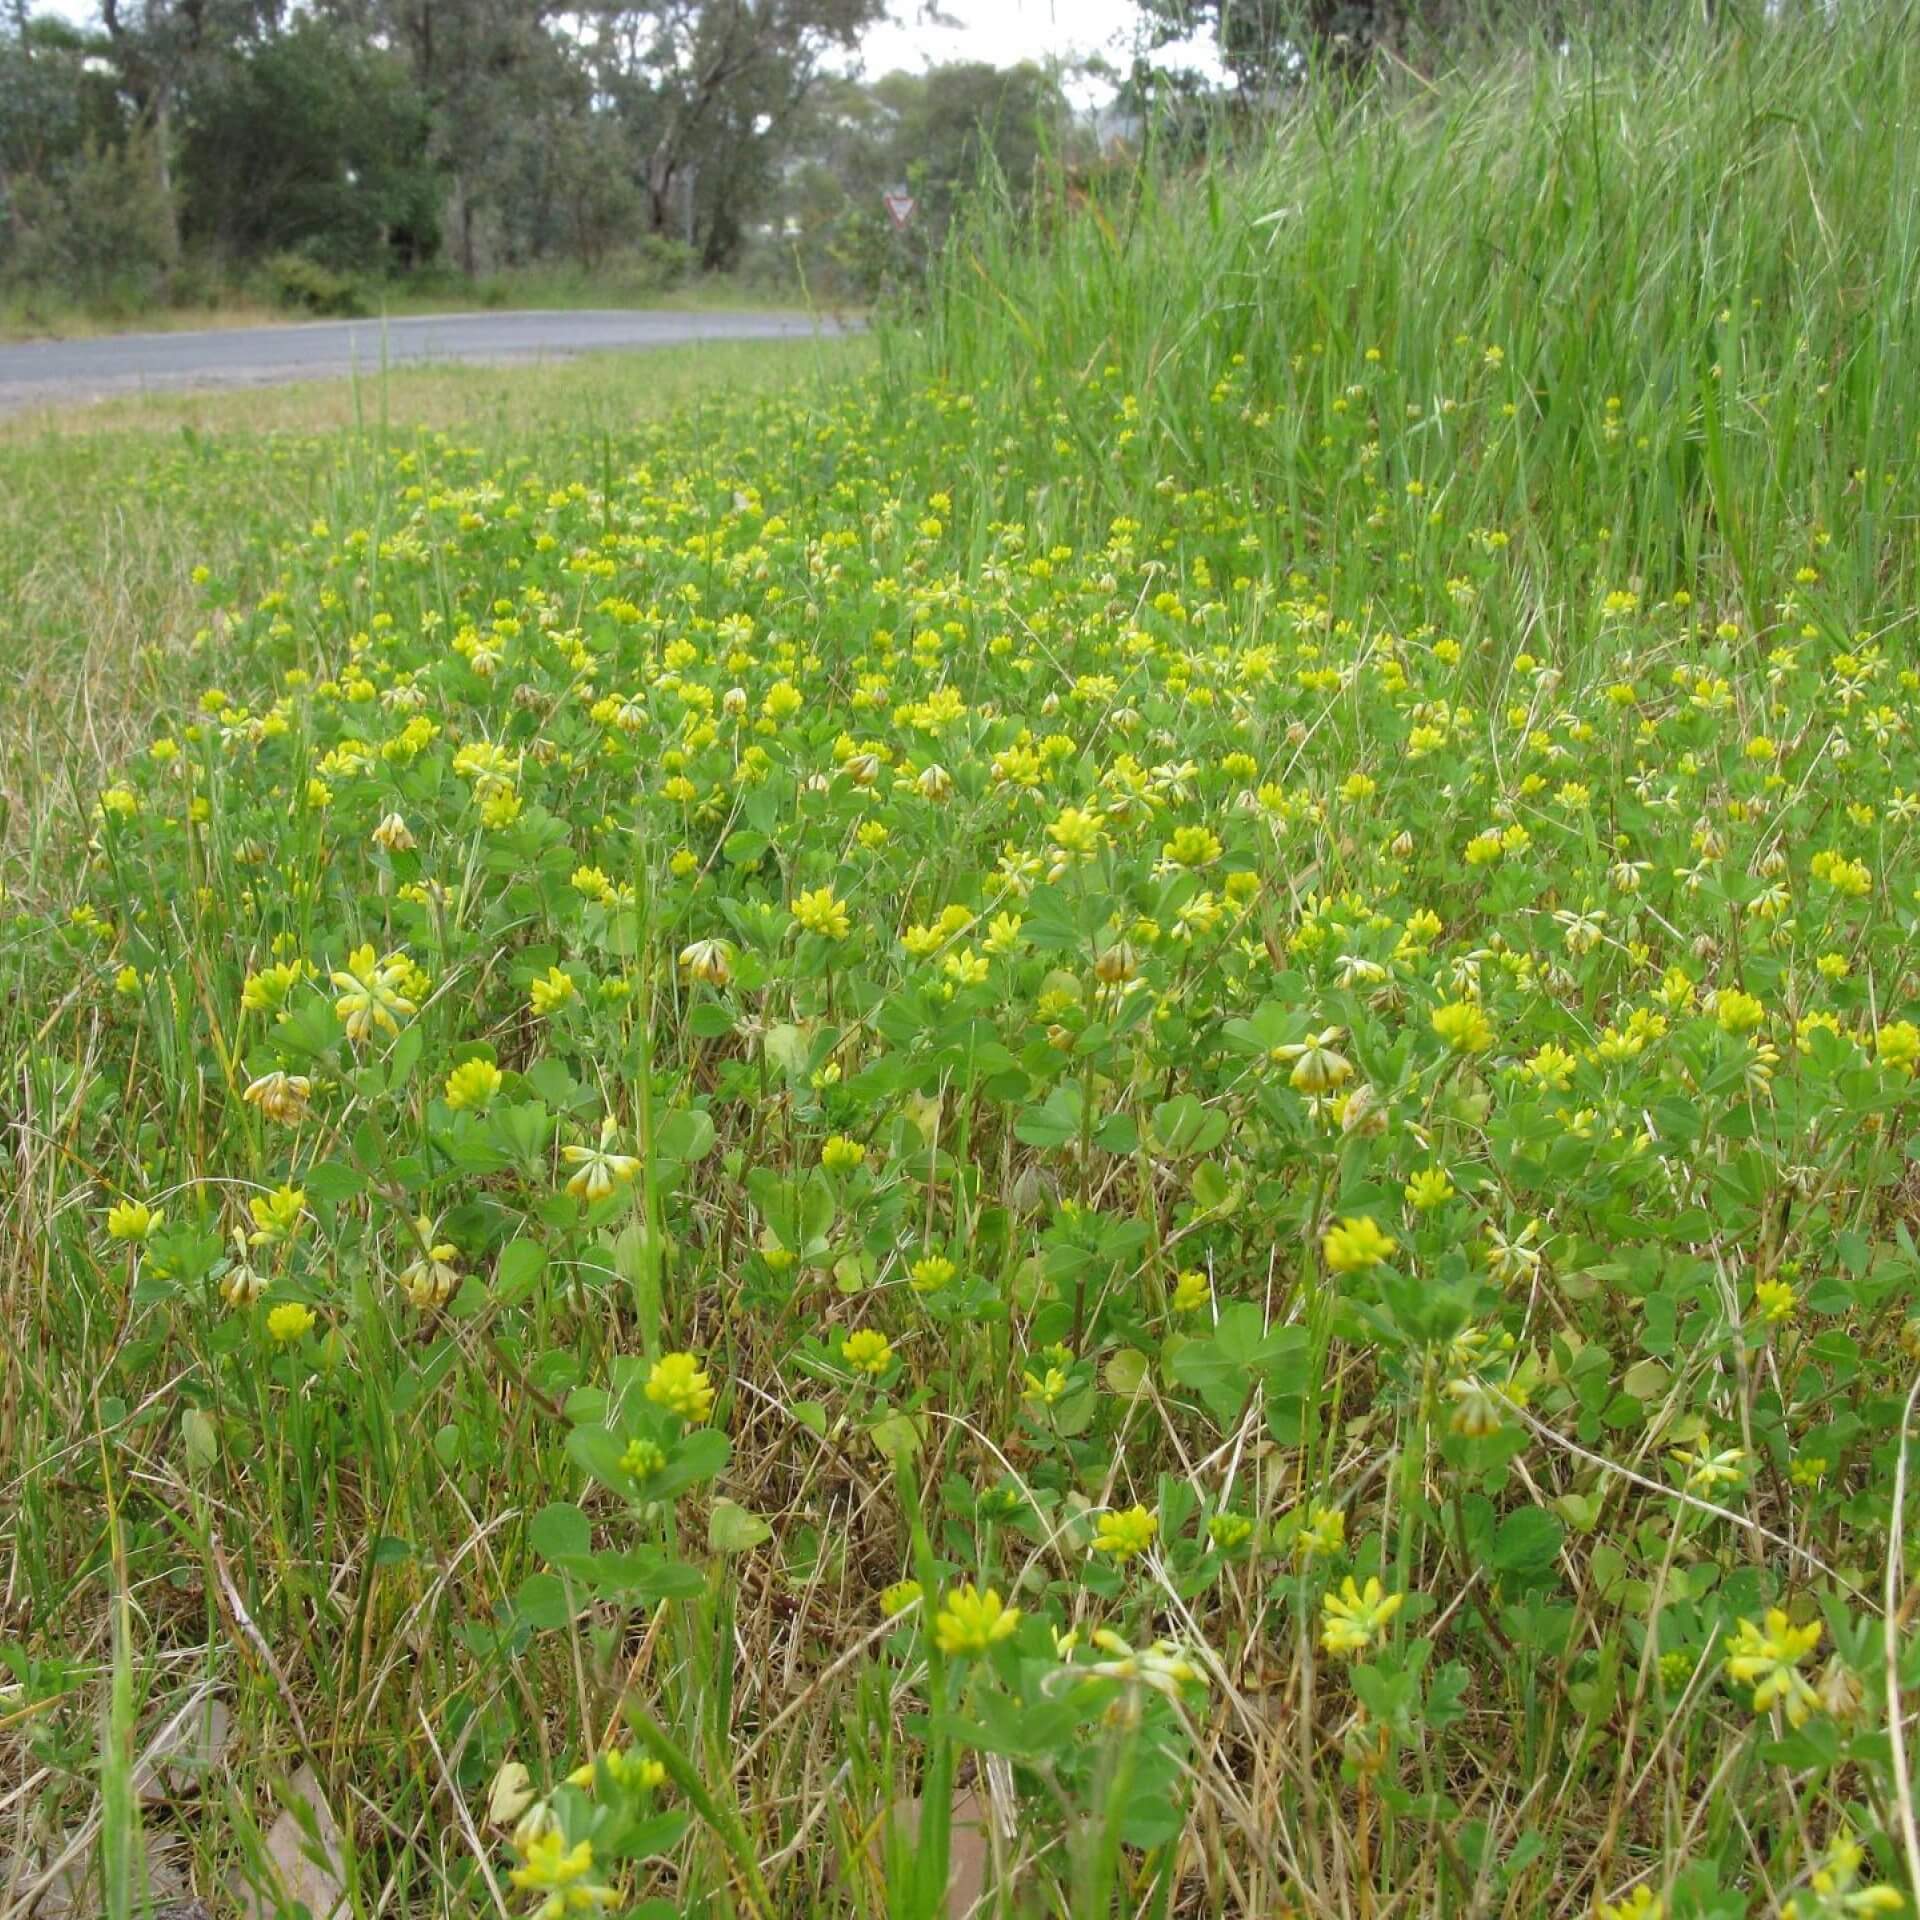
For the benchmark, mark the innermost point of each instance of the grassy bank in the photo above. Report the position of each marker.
(1105, 1110)
(45, 315)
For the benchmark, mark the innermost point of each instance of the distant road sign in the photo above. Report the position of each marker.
(900, 204)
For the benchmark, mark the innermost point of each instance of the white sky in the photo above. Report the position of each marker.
(1001, 32)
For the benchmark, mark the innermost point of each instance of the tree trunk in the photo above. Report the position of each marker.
(163, 174)
(660, 173)
(467, 263)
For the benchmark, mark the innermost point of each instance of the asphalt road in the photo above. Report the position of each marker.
(33, 373)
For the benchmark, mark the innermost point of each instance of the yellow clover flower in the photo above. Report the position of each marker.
(1767, 1659)
(970, 1621)
(371, 993)
(1356, 1244)
(290, 1321)
(562, 1873)
(678, 1383)
(1464, 1026)
(1355, 1617)
(868, 1352)
(1125, 1534)
(551, 991)
(133, 1220)
(819, 912)
(471, 1085)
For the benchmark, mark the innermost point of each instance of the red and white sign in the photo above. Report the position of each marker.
(900, 205)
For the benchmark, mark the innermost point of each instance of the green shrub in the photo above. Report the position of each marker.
(306, 286)
(653, 264)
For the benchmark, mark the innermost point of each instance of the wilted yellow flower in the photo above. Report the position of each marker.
(282, 1097)
(710, 961)
(599, 1168)
(241, 1285)
(431, 1280)
(1318, 1066)
(371, 993)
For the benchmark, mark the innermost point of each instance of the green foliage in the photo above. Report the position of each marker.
(1131, 1112)
(944, 135)
(96, 225)
(296, 280)
(310, 143)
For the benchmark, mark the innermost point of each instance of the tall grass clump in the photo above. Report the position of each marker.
(1646, 307)
(1120, 1123)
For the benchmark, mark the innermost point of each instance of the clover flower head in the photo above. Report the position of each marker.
(678, 1383)
(868, 1351)
(371, 992)
(1355, 1617)
(1463, 1025)
(133, 1220)
(1125, 1534)
(820, 912)
(562, 1873)
(971, 1621)
(1767, 1657)
(551, 991)
(896, 1599)
(598, 1169)
(472, 1085)
(1356, 1244)
(290, 1321)
(281, 1097)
